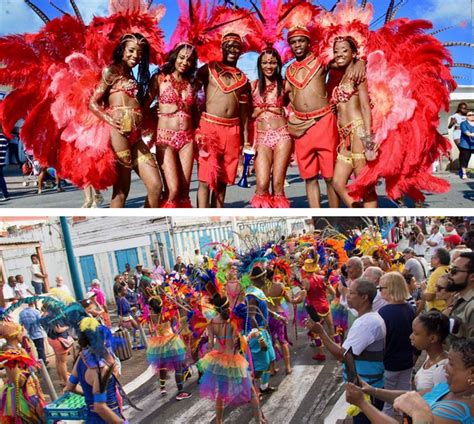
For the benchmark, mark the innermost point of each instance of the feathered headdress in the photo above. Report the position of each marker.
(203, 25)
(347, 21)
(270, 21)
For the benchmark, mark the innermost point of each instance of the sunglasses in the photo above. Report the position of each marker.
(380, 288)
(453, 270)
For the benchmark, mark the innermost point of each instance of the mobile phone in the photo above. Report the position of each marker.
(349, 361)
(312, 313)
(343, 281)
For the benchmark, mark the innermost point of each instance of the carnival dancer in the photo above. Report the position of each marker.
(166, 350)
(397, 86)
(273, 143)
(254, 311)
(173, 85)
(225, 372)
(317, 291)
(312, 120)
(122, 95)
(223, 127)
(96, 371)
(354, 124)
(277, 293)
(21, 398)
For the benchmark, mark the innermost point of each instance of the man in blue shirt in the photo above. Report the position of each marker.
(30, 319)
(466, 145)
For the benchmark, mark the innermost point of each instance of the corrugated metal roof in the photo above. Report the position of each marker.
(8, 241)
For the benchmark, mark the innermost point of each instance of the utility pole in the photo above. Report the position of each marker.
(71, 259)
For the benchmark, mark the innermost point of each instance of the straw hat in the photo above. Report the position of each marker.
(310, 265)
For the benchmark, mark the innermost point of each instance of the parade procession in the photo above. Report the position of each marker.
(226, 333)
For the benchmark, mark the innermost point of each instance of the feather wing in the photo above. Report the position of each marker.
(409, 83)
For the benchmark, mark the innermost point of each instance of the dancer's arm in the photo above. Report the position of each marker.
(100, 399)
(107, 80)
(365, 106)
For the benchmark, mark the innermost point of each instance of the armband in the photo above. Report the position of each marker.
(244, 98)
(100, 397)
(73, 379)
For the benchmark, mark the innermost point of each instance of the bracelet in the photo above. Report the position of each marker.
(73, 379)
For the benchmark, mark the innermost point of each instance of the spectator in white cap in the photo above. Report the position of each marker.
(100, 300)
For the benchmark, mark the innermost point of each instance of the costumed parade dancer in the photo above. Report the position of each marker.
(174, 86)
(277, 293)
(223, 127)
(96, 371)
(21, 398)
(90, 147)
(254, 312)
(166, 349)
(312, 121)
(272, 141)
(404, 62)
(316, 291)
(225, 372)
(124, 95)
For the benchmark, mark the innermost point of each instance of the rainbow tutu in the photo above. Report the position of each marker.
(226, 377)
(167, 351)
(339, 315)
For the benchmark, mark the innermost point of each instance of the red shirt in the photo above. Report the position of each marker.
(317, 294)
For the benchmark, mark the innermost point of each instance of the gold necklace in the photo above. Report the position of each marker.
(435, 360)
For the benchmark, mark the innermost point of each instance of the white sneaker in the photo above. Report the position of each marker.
(3, 198)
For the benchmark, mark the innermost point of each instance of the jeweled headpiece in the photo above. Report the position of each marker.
(298, 31)
(134, 38)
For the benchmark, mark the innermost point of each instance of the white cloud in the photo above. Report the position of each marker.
(16, 17)
(447, 12)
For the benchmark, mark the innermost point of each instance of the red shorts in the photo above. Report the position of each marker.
(219, 149)
(316, 149)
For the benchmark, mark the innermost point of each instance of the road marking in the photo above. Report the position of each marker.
(291, 393)
(139, 381)
(201, 412)
(338, 411)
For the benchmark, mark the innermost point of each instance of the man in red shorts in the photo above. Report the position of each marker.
(312, 119)
(223, 126)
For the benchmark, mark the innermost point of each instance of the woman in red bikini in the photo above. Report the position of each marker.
(354, 124)
(174, 90)
(124, 96)
(273, 143)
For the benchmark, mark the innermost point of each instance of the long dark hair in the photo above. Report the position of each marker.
(221, 304)
(144, 65)
(169, 66)
(261, 78)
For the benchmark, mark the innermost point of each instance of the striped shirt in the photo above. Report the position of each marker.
(3, 149)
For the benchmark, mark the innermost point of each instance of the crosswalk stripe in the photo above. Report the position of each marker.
(338, 411)
(302, 378)
(201, 412)
(153, 401)
(294, 387)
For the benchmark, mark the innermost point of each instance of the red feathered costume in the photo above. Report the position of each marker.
(409, 83)
(53, 74)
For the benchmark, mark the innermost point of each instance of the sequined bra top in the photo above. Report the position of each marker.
(178, 93)
(343, 92)
(269, 99)
(129, 86)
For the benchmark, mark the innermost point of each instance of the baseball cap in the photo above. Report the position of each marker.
(453, 239)
(409, 250)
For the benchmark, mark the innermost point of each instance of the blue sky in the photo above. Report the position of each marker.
(16, 17)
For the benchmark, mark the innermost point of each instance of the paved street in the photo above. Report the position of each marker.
(306, 396)
(461, 194)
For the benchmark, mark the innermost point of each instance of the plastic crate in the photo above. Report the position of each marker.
(70, 406)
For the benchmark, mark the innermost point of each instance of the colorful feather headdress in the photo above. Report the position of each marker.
(347, 21)
(202, 24)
